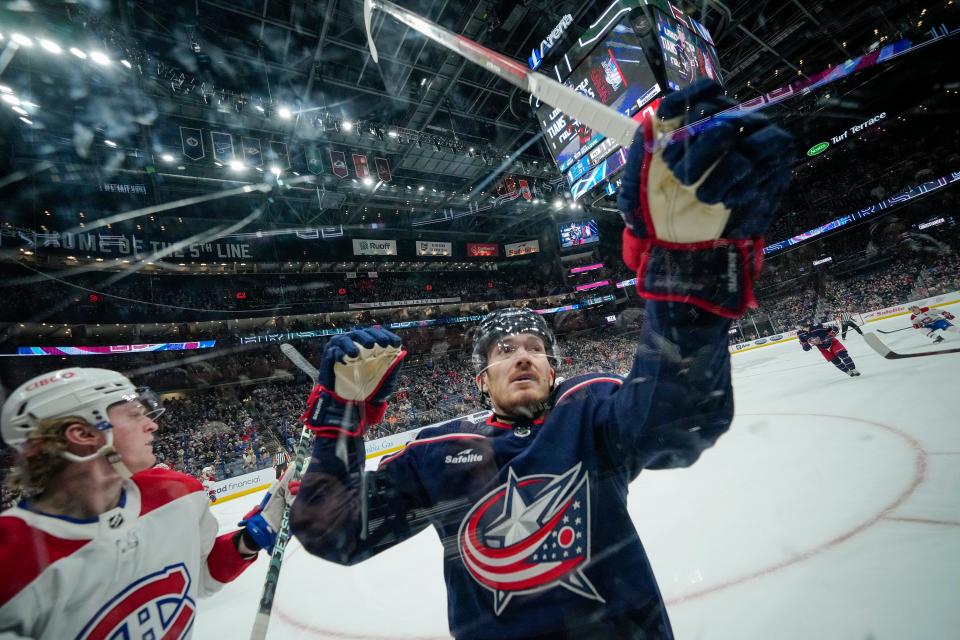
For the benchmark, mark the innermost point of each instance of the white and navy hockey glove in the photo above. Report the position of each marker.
(358, 373)
(262, 523)
(696, 209)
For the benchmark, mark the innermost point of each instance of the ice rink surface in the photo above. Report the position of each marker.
(830, 510)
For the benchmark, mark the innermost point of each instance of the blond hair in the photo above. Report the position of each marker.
(41, 457)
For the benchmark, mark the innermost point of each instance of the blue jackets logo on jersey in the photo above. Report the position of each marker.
(156, 606)
(530, 534)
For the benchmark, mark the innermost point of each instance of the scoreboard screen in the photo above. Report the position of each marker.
(616, 73)
(686, 57)
(575, 234)
(633, 55)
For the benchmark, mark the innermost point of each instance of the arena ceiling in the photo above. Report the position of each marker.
(302, 70)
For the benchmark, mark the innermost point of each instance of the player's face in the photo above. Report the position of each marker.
(133, 435)
(519, 374)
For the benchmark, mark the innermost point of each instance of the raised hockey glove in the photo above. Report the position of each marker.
(262, 523)
(696, 209)
(358, 373)
(807, 347)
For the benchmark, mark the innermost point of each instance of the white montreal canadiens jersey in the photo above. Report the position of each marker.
(134, 572)
(925, 317)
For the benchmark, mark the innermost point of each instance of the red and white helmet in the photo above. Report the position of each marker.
(82, 392)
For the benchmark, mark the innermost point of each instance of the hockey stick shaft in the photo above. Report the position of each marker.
(894, 331)
(262, 621)
(878, 345)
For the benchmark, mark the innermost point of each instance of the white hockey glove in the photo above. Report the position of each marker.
(696, 210)
(357, 375)
(263, 522)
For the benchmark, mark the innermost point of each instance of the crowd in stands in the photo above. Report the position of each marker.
(863, 171)
(232, 407)
(129, 298)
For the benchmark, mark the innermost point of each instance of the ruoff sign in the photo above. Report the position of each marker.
(374, 247)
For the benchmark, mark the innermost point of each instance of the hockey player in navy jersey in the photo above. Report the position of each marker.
(531, 504)
(824, 338)
(104, 544)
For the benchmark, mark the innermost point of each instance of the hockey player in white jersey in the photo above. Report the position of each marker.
(931, 321)
(208, 478)
(103, 544)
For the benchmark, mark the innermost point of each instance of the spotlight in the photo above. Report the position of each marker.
(392, 134)
(236, 165)
(275, 170)
(126, 63)
(110, 143)
(10, 99)
(368, 181)
(77, 52)
(558, 204)
(100, 58)
(167, 157)
(284, 112)
(5, 89)
(51, 46)
(347, 125)
(21, 39)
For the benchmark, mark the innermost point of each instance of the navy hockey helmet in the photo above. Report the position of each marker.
(507, 322)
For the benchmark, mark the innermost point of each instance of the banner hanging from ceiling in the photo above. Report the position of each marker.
(374, 247)
(521, 248)
(431, 248)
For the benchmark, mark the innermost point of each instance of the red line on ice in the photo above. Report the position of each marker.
(919, 475)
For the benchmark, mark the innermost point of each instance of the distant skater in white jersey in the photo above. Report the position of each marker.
(931, 321)
(103, 544)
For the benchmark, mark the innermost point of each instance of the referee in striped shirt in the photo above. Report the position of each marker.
(846, 321)
(280, 462)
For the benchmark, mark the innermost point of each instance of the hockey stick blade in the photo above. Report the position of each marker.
(596, 115)
(262, 620)
(877, 345)
(894, 331)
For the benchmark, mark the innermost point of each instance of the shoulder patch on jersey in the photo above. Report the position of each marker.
(430, 439)
(25, 552)
(577, 386)
(161, 486)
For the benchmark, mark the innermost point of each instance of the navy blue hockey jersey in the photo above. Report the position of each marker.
(818, 335)
(533, 514)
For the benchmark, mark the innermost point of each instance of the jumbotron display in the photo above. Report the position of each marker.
(637, 51)
(575, 234)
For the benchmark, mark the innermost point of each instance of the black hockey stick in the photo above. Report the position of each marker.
(894, 331)
(262, 620)
(877, 345)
